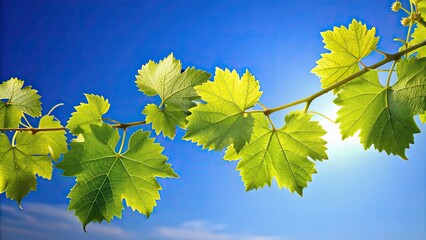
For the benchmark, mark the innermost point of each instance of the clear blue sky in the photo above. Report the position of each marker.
(67, 48)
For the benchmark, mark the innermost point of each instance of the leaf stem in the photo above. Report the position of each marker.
(322, 115)
(122, 141)
(308, 103)
(26, 120)
(13, 139)
(405, 10)
(381, 70)
(272, 123)
(23, 124)
(110, 120)
(390, 74)
(126, 125)
(262, 105)
(54, 107)
(256, 111)
(384, 53)
(407, 39)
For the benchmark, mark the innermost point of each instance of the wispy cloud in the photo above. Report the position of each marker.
(37, 220)
(205, 230)
(50, 222)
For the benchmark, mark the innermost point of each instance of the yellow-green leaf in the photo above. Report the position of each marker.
(105, 177)
(282, 153)
(165, 120)
(376, 111)
(88, 113)
(174, 87)
(19, 101)
(20, 162)
(347, 47)
(54, 142)
(411, 85)
(221, 120)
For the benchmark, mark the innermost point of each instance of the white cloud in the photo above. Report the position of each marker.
(205, 230)
(38, 219)
(50, 222)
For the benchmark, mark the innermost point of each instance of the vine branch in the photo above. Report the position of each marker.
(123, 126)
(388, 58)
(267, 111)
(422, 22)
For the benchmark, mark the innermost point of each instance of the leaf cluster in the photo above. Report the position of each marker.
(220, 113)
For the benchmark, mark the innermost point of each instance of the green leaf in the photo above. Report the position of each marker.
(20, 162)
(423, 117)
(347, 47)
(222, 120)
(422, 8)
(260, 121)
(231, 154)
(165, 119)
(282, 153)
(54, 142)
(174, 88)
(87, 114)
(105, 177)
(382, 119)
(419, 33)
(19, 101)
(411, 84)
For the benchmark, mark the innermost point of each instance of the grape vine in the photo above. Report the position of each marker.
(217, 114)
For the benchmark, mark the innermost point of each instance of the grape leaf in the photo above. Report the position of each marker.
(281, 153)
(105, 177)
(174, 87)
(231, 154)
(422, 7)
(373, 109)
(19, 101)
(54, 142)
(347, 47)
(411, 84)
(166, 119)
(419, 33)
(20, 162)
(87, 114)
(222, 120)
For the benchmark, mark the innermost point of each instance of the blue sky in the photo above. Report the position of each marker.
(67, 48)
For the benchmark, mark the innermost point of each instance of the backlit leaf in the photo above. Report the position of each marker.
(54, 142)
(382, 119)
(105, 177)
(20, 162)
(411, 85)
(282, 153)
(347, 47)
(176, 90)
(18, 101)
(88, 113)
(221, 120)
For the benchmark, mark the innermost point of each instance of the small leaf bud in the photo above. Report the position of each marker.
(406, 21)
(396, 6)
